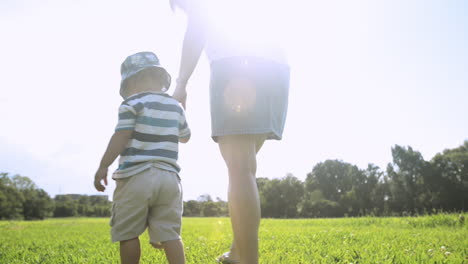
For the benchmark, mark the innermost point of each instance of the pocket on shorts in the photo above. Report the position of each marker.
(179, 183)
(112, 218)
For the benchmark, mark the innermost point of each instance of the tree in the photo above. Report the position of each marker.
(210, 208)
(65, 206)
(204, 198)
(340, 184)
(223, 207)
(314, 204)
(333, 178)
(37, 204)
(450, 178)
(280, 197)
(407, 180)
(84, 207)
(20, 198)
(292, 190)
(11, 200)
(376, 188)
(192, 208)
(369, 191)
(23, 183)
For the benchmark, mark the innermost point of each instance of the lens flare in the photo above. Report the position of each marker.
(240, 95)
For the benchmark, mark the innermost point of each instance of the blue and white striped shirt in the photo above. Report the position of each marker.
(157, 121)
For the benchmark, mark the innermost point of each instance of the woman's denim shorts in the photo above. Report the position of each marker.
(248, 95)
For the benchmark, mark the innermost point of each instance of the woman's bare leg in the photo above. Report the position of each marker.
(239, 153)
(233, 252)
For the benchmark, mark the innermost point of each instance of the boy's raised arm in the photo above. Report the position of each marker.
(117, 144)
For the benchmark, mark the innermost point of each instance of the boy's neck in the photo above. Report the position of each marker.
(147, 90)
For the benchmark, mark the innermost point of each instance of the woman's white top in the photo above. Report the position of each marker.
(240, 28)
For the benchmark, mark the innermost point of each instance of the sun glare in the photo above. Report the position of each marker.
(250, 25)
(240, 95)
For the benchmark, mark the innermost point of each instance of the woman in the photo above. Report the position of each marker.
(249, 87)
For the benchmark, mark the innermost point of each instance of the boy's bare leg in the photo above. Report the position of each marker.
(130, 251)
(239, 153)
(174, 251)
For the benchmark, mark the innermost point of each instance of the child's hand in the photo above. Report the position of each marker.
(157, 245)
(180, 94)
(101, 174)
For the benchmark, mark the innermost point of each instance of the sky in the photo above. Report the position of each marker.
(365, 75)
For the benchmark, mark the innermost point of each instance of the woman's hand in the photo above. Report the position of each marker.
(180, 93)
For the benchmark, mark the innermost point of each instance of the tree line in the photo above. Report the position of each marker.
(409, 185)
(20, 198)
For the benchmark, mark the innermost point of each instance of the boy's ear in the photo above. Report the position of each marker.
(168, 81)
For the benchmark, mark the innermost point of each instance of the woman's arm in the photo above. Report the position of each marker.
(194, 42)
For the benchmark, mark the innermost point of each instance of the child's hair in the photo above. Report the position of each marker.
(155, 76)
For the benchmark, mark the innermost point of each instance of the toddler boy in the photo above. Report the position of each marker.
(148, 193)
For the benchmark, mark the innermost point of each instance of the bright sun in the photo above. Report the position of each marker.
(251, 24)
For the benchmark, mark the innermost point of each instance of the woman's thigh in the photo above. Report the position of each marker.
(239, 151)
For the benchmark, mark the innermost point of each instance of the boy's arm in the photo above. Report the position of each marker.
(117, 144)
(184, 139)
(184, 130)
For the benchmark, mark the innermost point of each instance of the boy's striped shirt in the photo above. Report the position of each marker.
(157, 121)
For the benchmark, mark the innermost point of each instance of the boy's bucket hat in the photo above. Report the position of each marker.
(137, 62)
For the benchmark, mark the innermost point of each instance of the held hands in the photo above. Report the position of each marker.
(157, 245)
(180, 93)
(101, 174)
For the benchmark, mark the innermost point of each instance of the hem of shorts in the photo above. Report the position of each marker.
(123, 238)
(271, 135)
(165, 240)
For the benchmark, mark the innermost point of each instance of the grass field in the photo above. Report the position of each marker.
(429, 239)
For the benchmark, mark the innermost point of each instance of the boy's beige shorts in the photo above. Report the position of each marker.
(151, 198)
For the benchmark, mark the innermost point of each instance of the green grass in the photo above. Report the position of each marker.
(426, 239)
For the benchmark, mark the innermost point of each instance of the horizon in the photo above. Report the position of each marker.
(109, 195)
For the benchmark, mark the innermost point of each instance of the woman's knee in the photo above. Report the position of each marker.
(239, 154)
